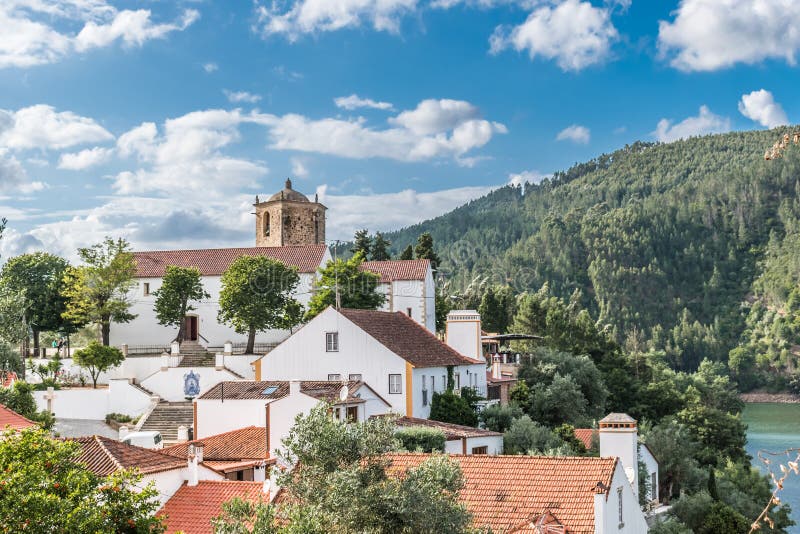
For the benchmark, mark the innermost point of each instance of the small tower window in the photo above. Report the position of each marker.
(266, 224)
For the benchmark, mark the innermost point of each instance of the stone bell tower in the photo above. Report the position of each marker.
(289, 218)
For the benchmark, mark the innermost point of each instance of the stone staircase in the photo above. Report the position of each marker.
(166, 417)
(195, 355)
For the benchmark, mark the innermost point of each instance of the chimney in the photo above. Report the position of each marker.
(294, 387)
(198, 451)
(464, 333)
(175, 348)
(183, 434)
(193, 475)
(619, 437)
(219, 361)
(496, 373)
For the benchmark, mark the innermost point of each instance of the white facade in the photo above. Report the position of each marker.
(617, 511)
(430, 380)
(95, 404)
(493, 444)
(415, 298)
(169, 383)
(359, 356)
(464, 333)
(650, 462)
(168, 482)
(145, 330)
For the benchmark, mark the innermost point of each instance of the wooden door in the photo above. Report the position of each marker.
(190, 329)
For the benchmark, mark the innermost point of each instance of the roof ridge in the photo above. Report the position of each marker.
(107, 452)
(224, 248)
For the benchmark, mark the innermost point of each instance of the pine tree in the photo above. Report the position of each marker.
(492, 315)
(380, 248)
(408, 253)
(424, 250)
(362, 242)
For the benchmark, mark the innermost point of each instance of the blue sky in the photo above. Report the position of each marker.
(160, 121)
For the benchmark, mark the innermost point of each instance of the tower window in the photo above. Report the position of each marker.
(146, 288)
(266, 224)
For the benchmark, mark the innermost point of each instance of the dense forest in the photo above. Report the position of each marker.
(690, 248)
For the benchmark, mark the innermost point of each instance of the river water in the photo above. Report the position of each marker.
(776, 427)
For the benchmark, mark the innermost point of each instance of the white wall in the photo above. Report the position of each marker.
(652, 471)
(125, 399)
(282, 413)
(145, 330)
(140, 367)
(607, 508)
(303, 357)
(419, 295)
(95, 404)
(470, 376)
(168, 482)
(241, 364)
(69, 365)
(169, 384)
(494, 444)
(464, 333)
(215, 417)
(624, 444)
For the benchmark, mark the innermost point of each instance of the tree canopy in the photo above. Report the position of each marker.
(179, 288)
(97, 358)
(357, 288)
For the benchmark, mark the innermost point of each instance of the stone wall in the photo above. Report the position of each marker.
(290, 223)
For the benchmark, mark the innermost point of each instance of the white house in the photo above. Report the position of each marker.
(202, 324)
(275, 404)
(578, 495)
(400, 359)
(408, 287)
(460, 439)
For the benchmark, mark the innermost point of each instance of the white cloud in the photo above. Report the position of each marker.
(575, 133)
(299, 168)
(85, 159)
(313, 16)
(575, 34)
(388, 211)
(761, 107)
(354, 102)
(139, 140)
(42, 127)
(704, 123)
(237, 97)
(526, 177)
(708, 35)
(12, 174)
(210, 67)
(435, 129)
(30, 36)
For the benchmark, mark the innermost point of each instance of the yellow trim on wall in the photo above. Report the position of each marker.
(257, 365)
(409, 390)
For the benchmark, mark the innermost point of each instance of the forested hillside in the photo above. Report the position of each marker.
(690, 248)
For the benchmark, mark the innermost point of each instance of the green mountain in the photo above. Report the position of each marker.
(672, 245)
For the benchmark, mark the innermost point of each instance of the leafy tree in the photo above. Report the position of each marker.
(380, 248)
(345, 463)
(424, 250)
(179, 287)
(499, 417)
(97, 292)
(362, 243)
(407, 254)
(97, 358)
(719, 434)
(13, 319)
(723, 518)
(493, 317)
(675, 449)
(38, 278)
(448, 407)
(256, 295)
(49, 491)
(567, 434)
(526, 436)
(421, 439)
(520, 395)
(19, 398)
(357, 288)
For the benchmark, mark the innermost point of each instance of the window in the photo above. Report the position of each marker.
(395, 384)
(352, 413)
(266, 224)
(457, 378)
(331, 341)
(653, 486)
(433, 383)
(408, 311)
(424, 390)
(480, 450)
(619, 506)
(146, 288)
(334, 377)
(355, 376)
(444, 382)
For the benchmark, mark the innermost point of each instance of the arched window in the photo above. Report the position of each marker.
(266, 223)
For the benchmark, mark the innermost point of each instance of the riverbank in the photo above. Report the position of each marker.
(761, 396)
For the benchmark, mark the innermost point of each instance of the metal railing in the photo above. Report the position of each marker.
(142, 350)
(238, 348)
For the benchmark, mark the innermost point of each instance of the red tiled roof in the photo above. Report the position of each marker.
(254, 389)
(214, 262)
(192, 508)
(10, 418)
(398, 269)
(236, 445)
(505, 492)
(450, 430)
(104, 456)
(585, 435)
(408, 339)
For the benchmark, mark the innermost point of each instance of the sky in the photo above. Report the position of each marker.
(160, 121)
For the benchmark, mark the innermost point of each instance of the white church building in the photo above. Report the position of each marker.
(289, 228)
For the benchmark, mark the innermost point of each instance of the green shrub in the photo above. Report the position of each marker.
(120, 418)
(421, 439)
(498, 418)
(448, 407)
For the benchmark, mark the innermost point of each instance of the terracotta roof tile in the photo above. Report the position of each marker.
(408, 339)
(450, 430)
(192, 508)
(616, 417)
(10, 418)
(506, 492)
(585, 435)
(254, 389)
(214, 262)
(236, 445)
(104, 456)
(393, 270)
